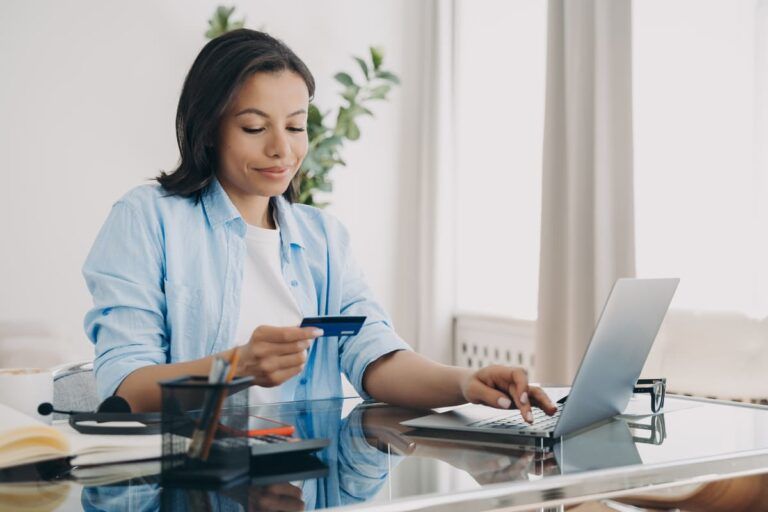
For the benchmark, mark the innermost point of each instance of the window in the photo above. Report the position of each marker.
(700, 83)
(700, 87)
(500, 73)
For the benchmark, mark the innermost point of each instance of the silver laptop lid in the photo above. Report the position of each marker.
(617, 352)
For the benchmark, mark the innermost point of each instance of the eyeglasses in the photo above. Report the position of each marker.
(656, 387)
(656, 430)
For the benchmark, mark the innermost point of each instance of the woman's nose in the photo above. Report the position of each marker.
(278, 145)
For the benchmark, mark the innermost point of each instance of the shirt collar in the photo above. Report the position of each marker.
(218, 207)
(219, 210)
(286, 219)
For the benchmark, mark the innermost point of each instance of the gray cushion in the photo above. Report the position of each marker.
(74, 390)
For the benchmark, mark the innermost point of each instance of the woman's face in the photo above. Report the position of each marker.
(262, 136)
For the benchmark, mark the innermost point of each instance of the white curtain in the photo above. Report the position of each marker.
(587, 233)
(434, 281)
(436, 262)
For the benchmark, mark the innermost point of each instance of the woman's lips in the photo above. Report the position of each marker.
(273, 171)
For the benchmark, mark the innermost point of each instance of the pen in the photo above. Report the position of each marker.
(211, 431)
(287, 430)
(198, 436)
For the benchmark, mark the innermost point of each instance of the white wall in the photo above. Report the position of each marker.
(88, 97)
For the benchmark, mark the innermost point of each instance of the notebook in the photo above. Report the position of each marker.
(24, 440)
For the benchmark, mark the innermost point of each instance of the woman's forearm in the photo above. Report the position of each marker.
(141, 389)
(408, 379)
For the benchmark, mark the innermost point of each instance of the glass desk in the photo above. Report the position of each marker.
(373, 461)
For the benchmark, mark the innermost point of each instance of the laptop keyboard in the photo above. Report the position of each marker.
(515, 421)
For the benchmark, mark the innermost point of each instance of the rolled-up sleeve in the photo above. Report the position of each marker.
(124, 273)
(377, 336)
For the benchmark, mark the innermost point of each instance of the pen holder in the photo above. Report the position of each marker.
(193, 410)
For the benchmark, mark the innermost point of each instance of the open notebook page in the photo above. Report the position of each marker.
(25, 440)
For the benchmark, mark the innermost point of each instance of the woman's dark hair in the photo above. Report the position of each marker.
(217, 73)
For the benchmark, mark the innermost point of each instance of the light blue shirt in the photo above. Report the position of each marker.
(165, 275)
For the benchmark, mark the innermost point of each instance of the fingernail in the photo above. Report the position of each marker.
(529, 417)
(317, 333)
(504, 402)
(524, 398)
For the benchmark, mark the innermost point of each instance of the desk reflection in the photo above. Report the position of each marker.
(372, 459)
(366, 445)
(356, 470)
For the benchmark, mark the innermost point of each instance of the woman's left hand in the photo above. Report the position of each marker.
(501, 386)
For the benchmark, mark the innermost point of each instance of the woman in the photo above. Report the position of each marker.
(216, 256)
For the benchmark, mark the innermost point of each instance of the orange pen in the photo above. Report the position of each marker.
(266, 427)
(287, 430)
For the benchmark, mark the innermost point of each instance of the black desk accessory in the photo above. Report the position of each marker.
(114, 408)
(185, 409)
(262, 446)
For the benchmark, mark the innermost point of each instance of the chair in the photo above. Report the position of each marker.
(74, 388)
(714, 355)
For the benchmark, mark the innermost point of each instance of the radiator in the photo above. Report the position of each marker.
(484, 340)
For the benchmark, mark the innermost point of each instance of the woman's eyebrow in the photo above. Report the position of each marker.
(252, 110)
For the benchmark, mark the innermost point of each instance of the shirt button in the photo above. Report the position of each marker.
(294, 283)
(303, 381)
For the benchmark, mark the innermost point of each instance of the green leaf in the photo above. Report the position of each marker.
(306, 197)
(386, 75)
(342, 121)
(313, 115)
(353, 132)
(219, 23)
(376, 57)
(379, 93)
(350, 94)
(363, 66)
(344, 79)
(330, 143)
(356, 110)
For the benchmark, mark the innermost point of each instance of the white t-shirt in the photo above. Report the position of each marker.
(265, 300)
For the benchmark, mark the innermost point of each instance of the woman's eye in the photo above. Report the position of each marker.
(259, 130)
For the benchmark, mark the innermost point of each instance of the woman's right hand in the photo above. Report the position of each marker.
(275, 354)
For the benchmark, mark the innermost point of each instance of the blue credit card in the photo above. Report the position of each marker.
(335, 325)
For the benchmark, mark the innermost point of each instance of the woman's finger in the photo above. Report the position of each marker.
(278, 377)
(265, 348)
(286, 361)
(285, 334)
(486, 395)
(540, 399)
(518, 390)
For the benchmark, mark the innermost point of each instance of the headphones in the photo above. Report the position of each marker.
(114, 408)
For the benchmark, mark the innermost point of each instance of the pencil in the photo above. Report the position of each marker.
(215, 376)
(233, 359)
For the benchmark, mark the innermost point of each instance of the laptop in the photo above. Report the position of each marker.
(603, 385)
